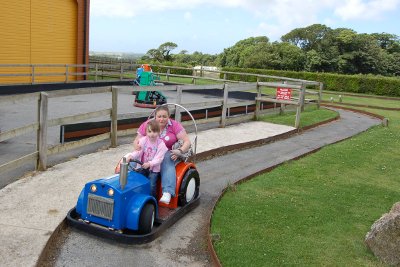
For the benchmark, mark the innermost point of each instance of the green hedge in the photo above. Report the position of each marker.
(366, 84)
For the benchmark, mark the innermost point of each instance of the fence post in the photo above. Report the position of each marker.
(257, 111)
(282, 108)
(66, 73)
(121, 71)
(41, 144)
(96, 69)
(33, 74)
(178, 115)
(300, 106)
(168, 72)
(114, 116)
(224, 106)
(321, 87)
(297, 121)
(303, 95)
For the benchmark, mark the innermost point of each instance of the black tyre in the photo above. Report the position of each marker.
(189, 187)
(146, 221)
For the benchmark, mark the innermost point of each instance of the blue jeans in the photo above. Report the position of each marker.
(168, 174)
(153, 177)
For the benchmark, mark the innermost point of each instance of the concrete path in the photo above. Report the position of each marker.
(33, 207)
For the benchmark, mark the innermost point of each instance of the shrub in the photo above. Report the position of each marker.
(367, 84)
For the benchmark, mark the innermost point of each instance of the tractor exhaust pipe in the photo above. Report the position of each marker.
(123, 173)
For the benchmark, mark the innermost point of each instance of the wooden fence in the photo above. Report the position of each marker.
(70, 73)
(42, 124)
(42, 73)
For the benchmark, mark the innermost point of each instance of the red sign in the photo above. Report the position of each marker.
(283, 93)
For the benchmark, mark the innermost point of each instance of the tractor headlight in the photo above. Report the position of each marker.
(110, 192)
(93, 188)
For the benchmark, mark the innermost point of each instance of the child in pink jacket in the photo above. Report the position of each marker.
(151, 153)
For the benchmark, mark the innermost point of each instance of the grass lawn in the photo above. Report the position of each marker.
(346, 99)
(187, 80)
(310, 116)
(363, 101)
(317, 210)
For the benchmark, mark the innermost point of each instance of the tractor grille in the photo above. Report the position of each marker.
(100, 206)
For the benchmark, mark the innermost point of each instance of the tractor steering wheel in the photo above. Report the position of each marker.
(136, 161)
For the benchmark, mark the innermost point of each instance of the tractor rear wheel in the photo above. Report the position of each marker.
(189, 187)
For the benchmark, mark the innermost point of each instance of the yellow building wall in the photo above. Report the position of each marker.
(38, 32)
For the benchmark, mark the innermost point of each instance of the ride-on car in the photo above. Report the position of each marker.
(121, 207)
(148, 99)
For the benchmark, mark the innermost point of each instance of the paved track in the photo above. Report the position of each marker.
(184, 244)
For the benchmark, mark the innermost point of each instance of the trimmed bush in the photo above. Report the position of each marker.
(365, 84)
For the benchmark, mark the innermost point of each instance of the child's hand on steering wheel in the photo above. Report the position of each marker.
(146, 165)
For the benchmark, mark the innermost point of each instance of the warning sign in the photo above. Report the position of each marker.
(283, 93)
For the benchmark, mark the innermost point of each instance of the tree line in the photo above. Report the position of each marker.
(316, 48)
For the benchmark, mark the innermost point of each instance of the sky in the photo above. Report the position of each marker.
(210, 26)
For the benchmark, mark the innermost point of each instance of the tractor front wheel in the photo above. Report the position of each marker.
(146, 221)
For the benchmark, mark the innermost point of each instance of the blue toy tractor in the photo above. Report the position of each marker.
(121, 207)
